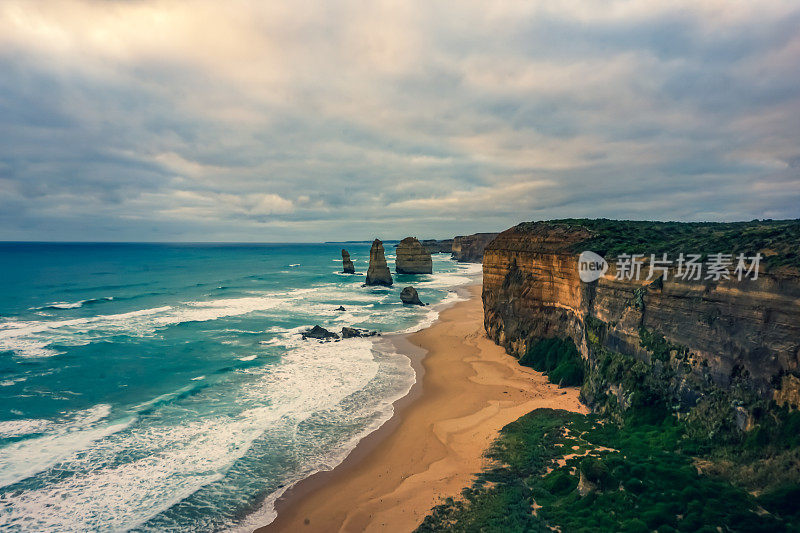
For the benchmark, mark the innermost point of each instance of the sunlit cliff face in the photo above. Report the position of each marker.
(167, 120)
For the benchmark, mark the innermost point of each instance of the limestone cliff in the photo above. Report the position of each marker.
(699, 336)
(412, 257)
(347, 264)
(469, 248)
(378, 272)
(444, 246)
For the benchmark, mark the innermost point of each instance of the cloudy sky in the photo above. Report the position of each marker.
(305, 121)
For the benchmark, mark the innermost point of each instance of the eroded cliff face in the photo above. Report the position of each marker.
(469, 248)
(444, 246)
(698, 335)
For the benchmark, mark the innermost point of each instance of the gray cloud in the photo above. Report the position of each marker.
(155, 120)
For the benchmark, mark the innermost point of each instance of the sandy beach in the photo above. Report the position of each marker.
(469, 389)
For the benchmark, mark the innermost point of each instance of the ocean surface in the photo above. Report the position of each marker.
(155, 387)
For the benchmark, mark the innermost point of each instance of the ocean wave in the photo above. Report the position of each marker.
(124, 478)
(60, 440)
(34, 338)
(397, 369)
(128, 473)
(72, 305)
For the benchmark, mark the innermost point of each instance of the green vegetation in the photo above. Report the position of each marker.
(636, 477)
(659, 347)
(558, 358)
(777, 240)
(646, 460)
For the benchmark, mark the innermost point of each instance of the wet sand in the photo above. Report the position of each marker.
(467, 389)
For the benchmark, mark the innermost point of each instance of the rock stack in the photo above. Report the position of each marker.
(347, 264)
(413, 258)
(378, 272)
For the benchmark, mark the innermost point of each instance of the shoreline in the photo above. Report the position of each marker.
(434, 441)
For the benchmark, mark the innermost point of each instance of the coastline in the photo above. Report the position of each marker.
(467, 388)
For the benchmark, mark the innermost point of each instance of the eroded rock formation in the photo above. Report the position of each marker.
(347, 264)
(378, 272)
(409, 296)
(412, 257)
(469, 248)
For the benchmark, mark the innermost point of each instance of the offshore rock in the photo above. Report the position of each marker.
(413, 258)
(409, 296)
(378, 272)
(347, 264)
(349, 333)
(318, 332)
(469, 248)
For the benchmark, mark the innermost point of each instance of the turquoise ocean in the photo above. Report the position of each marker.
(164, 387)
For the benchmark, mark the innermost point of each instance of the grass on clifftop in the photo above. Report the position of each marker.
(777, 240)
(580, 473)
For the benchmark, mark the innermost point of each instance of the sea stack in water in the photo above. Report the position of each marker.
(413, 258)
(347, 264)
(409, 296)
(378, 272)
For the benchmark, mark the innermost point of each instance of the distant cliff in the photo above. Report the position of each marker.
(693, 338)
(469, 248)
(444, 246)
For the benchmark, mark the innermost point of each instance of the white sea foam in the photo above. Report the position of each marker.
(122, 478)
(33, 338)
(399, 367)
(63, 438)
(19, 428)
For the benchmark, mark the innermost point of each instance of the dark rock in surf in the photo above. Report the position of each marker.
(318, 332)
(409, 296)
(349, 333)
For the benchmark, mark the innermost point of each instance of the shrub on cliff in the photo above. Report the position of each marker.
(559, 359)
